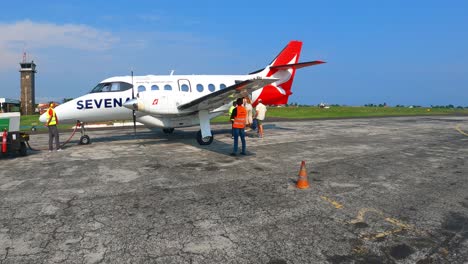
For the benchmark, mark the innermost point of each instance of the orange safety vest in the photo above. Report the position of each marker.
(54, 119)
(239, 120)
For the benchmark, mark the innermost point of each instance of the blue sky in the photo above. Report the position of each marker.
(398, 52)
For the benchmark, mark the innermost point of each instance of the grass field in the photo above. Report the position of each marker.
(304, 113)
(345, 112)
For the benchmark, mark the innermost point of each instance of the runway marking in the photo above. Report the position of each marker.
(457, 127)
(400, 225)
(362, 213)
(334, 203)
(360, 250)
(360, 218)
(381, 234)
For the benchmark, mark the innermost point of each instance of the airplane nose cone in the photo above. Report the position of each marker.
(43, 118)
(131, 104)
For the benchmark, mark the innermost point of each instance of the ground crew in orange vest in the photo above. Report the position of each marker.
(238, 116)
(51, 123)
(233, 106)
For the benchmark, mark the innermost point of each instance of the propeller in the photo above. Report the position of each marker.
(133, 111)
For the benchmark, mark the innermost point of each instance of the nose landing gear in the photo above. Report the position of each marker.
(84, 139)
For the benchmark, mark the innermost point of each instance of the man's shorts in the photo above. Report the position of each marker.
(259, 122)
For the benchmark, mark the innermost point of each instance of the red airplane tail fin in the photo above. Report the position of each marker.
(284, 68)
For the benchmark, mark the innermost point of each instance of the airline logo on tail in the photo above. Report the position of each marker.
(283, 67)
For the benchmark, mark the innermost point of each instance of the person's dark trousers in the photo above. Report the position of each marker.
(232, 130)
(53, 133)
(239, 132)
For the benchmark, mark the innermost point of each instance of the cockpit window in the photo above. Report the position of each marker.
(98, 88)
(107, 87)
(111, 87)
(115, 87)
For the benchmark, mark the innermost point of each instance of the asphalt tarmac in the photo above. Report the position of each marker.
(382, 190)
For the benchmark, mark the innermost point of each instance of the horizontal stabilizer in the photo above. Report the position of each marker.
(296, 65)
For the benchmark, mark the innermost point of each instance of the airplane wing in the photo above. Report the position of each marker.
(226, 95)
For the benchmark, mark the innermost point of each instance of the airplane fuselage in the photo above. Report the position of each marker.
(173, 101)
(161, 95)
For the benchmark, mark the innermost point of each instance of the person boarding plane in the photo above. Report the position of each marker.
(174, 101)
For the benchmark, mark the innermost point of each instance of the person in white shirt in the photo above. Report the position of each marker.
(260, 111)
(249, 108)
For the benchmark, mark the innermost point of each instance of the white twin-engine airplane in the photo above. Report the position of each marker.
(173, 101)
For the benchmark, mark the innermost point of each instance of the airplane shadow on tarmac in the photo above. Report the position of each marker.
(179, 136)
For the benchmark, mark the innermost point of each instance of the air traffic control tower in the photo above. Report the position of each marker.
(28, 70)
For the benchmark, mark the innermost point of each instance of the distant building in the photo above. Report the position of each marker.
(28, 86)
(9, 105)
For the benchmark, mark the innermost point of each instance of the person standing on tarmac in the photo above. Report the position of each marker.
(248, 107)
(51, 124)
(233, 106)
(238, 117)
(260, 111)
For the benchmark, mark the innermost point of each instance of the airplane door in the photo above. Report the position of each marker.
(184, 85)
(185, 89)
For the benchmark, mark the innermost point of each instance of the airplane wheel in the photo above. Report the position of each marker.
(23, 149)
(85, 140)
(168, 130)
(204, 141)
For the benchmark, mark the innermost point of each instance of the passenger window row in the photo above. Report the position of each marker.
(183, 87)
(122, 86)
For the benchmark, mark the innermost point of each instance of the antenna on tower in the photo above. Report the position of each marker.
(24, 53)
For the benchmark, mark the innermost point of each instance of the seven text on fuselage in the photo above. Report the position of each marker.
(100, 103)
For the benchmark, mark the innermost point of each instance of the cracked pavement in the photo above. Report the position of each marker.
(383, 190)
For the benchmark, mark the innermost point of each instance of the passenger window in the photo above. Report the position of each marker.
(167, 87)
(184, 88)
(222, 86)
(200, 87)
(211, 87)
(141, 88)
(154, 87)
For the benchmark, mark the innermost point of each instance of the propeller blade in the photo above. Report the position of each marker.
(133, 91)
(133, 111)
(134, 122)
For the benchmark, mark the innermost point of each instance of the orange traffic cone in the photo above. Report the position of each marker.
(302, 182)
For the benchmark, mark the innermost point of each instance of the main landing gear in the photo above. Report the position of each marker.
(84, 139)
(204, 140)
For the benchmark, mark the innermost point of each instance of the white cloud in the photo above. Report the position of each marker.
(36, 36)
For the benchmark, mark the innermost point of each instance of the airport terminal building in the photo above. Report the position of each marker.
(9, 105)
